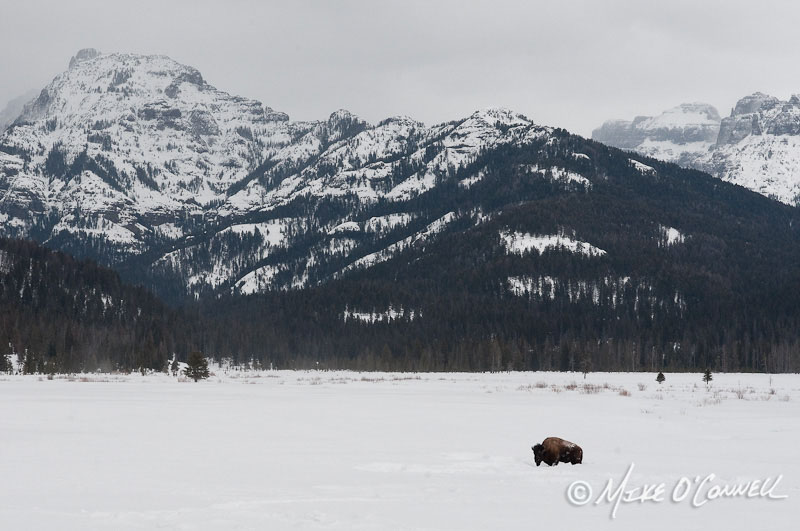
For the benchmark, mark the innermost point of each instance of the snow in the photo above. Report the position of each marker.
(347, 226)
(767, 164)
(644, 169)
(387, 222)
(597, 291)
(390, 314)
(672, 236)
(257, 281)
(560, 175)
(363, 451)
(523, 243)
(385, 254)
(671, 151)
(682, 117)
(543, 287)
(469, 181)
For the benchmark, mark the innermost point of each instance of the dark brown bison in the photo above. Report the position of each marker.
(554, 450)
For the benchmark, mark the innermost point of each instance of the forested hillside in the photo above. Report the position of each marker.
(58, 314)
(676, 270)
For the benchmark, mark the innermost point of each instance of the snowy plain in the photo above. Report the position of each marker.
(388, 451)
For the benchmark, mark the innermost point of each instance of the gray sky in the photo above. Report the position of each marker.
(567, 63)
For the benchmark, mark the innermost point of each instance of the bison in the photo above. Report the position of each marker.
(554, 450)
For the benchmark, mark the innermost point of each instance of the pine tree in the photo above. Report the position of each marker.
(174, 367)
(5, 365)
(660, 378)
(707, 376)
(586, 364)
(196, 366)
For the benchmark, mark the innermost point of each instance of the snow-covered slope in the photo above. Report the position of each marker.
(757, 146)
(127, 155)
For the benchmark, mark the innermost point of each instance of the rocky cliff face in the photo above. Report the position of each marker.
(757, 146)
(679, 135)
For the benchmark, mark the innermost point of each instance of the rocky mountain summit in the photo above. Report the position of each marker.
(680, 134)
(757, 146)
(126, 156)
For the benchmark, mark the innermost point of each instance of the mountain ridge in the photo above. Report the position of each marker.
(757, 146)
(133, 153)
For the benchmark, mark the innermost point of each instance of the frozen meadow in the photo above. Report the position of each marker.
(350, 451)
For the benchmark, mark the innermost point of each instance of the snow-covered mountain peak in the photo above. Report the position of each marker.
(685, 115)
(500, 116)
(679, 134)
(757, 146)
(754, 103)
(83, 55)
(343, 115)
(138, 154)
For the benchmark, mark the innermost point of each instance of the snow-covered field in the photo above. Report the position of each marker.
(352, 451)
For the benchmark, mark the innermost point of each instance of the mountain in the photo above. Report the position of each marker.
(13, 109)
(486, 243)
(564, 253)
(681, 134)
(139, 163)
(757, 146)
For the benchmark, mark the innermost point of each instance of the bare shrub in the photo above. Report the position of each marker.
(571, 386)
(590, 389)
(642, 387)
(557, 389)
(624, 392)
(785, 398)
(540, 385)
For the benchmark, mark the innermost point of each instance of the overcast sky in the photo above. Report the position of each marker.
(567, 63)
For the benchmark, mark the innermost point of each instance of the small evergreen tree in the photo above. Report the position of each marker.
(707, 377)
(174, 367)
(660, 378)
(586, 364)
(5, 364)
(196, 366)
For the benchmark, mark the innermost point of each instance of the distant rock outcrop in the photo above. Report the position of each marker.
(757, 146)
(677, 135)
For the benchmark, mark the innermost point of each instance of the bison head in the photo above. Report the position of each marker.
(537, 453)
(577, 456)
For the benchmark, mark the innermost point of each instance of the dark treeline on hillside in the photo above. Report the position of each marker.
(75, 316)
(58, 314)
